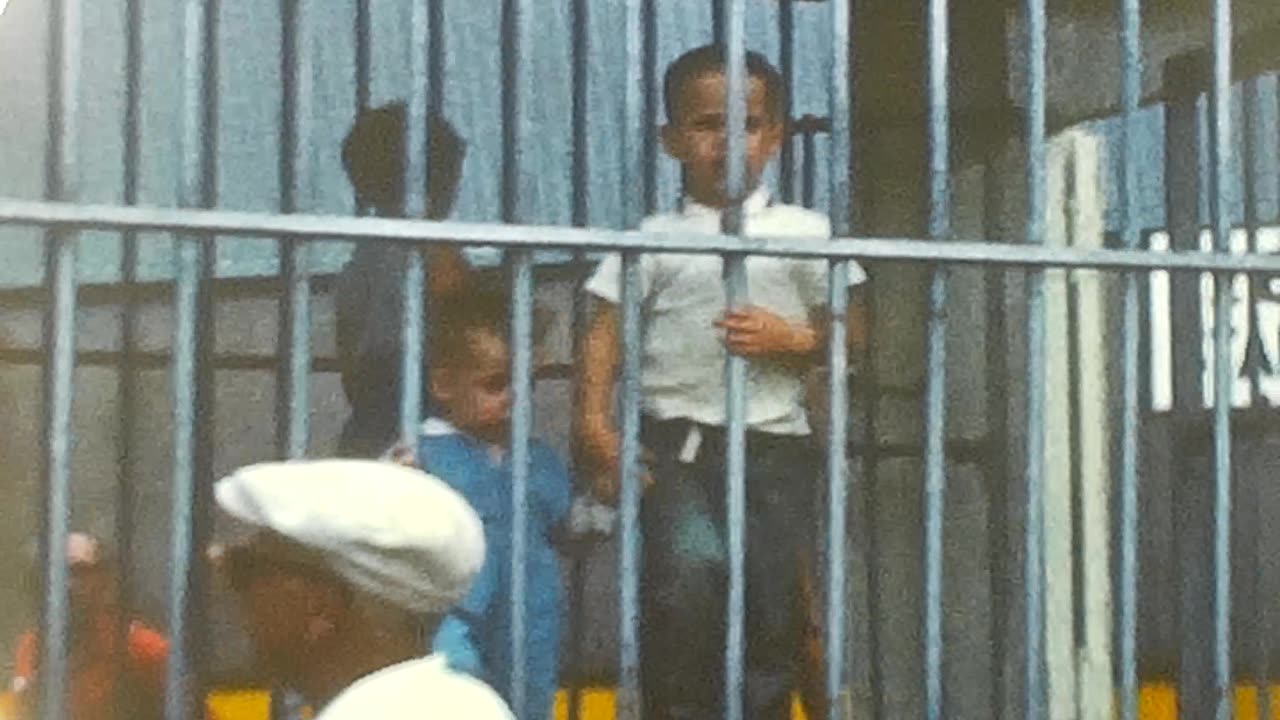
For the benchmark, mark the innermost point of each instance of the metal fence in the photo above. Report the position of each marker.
(195, 224)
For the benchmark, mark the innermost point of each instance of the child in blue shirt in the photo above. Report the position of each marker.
(466, 445)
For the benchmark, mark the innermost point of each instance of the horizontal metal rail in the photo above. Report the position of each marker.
(333, 227)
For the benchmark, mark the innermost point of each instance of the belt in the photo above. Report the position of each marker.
(687, 440)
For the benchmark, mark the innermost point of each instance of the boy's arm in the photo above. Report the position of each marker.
(458, 637)
(456, 641)
(597, 437)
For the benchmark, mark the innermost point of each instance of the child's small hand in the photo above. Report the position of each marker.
(603, 450)
(752, 331)
(402, 454)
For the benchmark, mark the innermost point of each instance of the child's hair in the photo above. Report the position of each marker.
(709, 59)
(373, 156)
(483, 309)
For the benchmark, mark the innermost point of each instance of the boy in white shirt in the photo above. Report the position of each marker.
(687, 334)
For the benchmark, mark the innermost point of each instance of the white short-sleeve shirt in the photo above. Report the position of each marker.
(683, 295)
(421, 689)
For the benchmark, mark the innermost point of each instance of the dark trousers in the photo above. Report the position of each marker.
(685, 572)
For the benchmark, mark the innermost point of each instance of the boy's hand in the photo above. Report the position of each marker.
(752, 331)
(602, 448)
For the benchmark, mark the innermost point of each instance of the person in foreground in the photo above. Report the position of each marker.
(349, 563)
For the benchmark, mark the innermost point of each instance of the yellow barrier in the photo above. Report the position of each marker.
(597, 704)
(239, 705)
(1155, 702)
(1160, 702)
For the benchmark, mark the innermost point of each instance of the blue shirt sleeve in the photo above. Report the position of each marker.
(458, 638)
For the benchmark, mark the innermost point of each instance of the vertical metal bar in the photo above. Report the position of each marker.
(297, 357)
(293, 404)
(364, 65)
(435, 59)
(190, 345)
(935, 469)
(180, 696)
(1076, 640)
(787, 67)
(629, 566)
(581, 107)
(733, 19)
(1262, 636)
(652, 102)
(516, 15)
(719, 30)
(62, 180)
(127, 409)
(516, 20)
(1219, 150)
(1255, 355)
(736, 89)
(1036, 179)
(521, 429)
(581, 201)
(412, 340)
(61, 378)
(1130, 129)
(838, 484)
(809, 150)
(417, 168)
(633, 142)
(364, 53)
(840, 111)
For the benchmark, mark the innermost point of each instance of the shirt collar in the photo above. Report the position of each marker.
(758, 200)
(438, 427)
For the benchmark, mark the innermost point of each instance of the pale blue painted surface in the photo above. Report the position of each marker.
(1151, 200)
(249, 114)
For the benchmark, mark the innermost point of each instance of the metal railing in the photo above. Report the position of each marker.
(196, 227)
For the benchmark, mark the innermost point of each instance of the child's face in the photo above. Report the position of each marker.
(475, 394)
(697, 136)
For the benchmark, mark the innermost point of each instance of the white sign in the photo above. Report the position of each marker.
(1267, 330)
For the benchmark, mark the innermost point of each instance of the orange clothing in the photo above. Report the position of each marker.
(96, 674)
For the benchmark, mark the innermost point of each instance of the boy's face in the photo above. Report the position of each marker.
(697, 136)
(475, 392)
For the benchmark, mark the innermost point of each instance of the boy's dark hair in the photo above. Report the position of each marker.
(373, 156)
(711, 59)
(485, 308)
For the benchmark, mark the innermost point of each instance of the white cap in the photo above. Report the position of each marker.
(393, 532)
